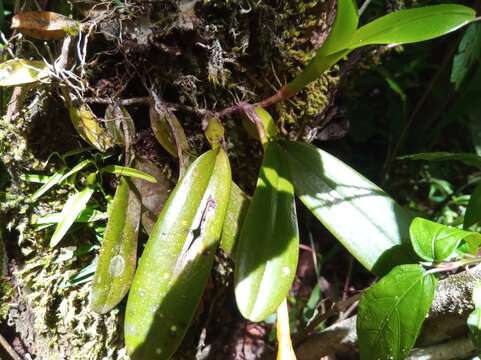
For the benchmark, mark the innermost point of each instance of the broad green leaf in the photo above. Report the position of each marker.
(343, 29)
(177, 259)
(467, 158)
(74, 205)
(267, 252)
(118, 254)
(88, 127)
(474, 319)
(153, 195)
(473, 211)
(413, 25)
(436, 242)
(371, 225)
(469, 52)
(120, 125)
(53, 180)
(127, 171)
(20, 71)
(392, 312)
(285, 350)
(234, 218)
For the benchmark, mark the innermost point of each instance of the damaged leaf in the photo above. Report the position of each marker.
(88, 127)
(266, 257)
(44, 25)
(177, 259)
(118, 254)
(20, 71)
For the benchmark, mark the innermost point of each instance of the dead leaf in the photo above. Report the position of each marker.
(20, 71)
(88, 127)
(153, 195)
(44, 25)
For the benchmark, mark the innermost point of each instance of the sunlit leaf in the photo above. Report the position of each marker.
(267, 252)
(214, 131)
(177, 259)
(127, 171)
(88, 127)
(20, 71)
(285, 350)
(436, 242)
(378, 228)
(88, 215)
(392, 312)
(72, 208)
(118, 254)
(53, 180)
(44, 25)
(413, 25)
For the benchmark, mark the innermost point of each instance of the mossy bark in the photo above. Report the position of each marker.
(201, 55)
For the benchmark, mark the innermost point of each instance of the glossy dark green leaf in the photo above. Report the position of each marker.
(467, 158)
(118, 254)
(177, 259)
(473, 211)
(127, 171)
(234, 218)
(436, 242)
(468, 54)
(72, 208)
(474, 319)
(413, 25)
(392, 312)
(153, 195)
(371, 225)
(267, 252)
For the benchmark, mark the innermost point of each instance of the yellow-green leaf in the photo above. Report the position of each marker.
(20, 71)
(88, 127)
